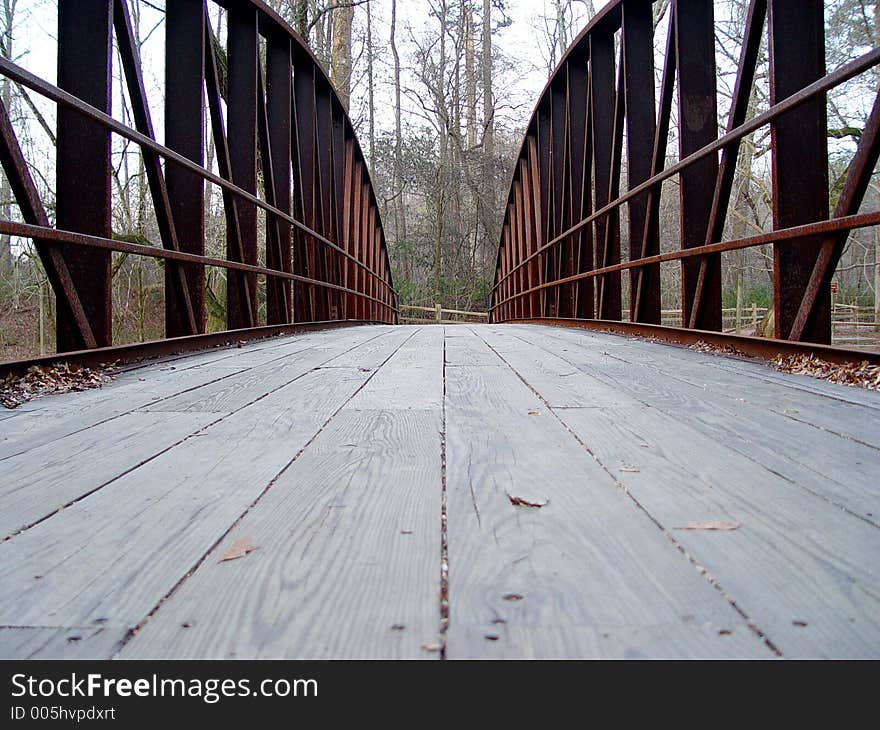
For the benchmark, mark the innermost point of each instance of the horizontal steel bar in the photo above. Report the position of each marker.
(763, 347)
(844, 73)
(850, 222)
(26, 230)
(137, 352)
(24, 77)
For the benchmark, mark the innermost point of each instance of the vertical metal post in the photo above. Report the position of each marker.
(800, 162)
(352, 213)
(241, 288)
(542, 195)
(508, 283)
(581, 179)
(560, 297)
(520, 304)
(340, 237)
(324, 186)
(698, 126)
(536, 217)
(638, 63)
(83, 164)
(364, 243)
(357, 236)
(304, 263)
(603, 97)
(184, 133)
(377, 238)
(279, 304)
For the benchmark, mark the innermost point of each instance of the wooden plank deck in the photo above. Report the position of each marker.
(443, 491)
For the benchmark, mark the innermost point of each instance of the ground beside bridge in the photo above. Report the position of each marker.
(459, 491)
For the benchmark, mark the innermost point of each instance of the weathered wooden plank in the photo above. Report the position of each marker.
(559, 382)
(800, 568)
(59, 643)
(838, 469)
(372, 354)
(796, 565)
(858, 421)
(55, 417)
(651, 641)
(412, 379)
(465, 348)
(36, 428)
(806, 383)
(586, 563)
(242, 388)
(348, 556)
(112, 556)
(40, 481)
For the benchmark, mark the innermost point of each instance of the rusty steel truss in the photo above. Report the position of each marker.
(560, 252)
(285, 146)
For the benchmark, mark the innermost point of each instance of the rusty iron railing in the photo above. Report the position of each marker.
(325, 254)
(560, 251)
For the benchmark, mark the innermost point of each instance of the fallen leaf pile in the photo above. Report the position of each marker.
(40, 380)
(703, 346)
(859, 374)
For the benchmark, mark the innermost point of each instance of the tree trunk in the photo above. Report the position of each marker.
(371, 100)
(488, 102)
(441, 178)
(470, 80)
(877, 277)
(301, 18)
(340, 59)
(399, 209)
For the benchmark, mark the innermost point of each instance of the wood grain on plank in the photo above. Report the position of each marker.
(347, 558)
(61, 415)
(44, 479)
(800, 568)
(114, 555)
(840, 469)
(747, 381)
(779, 566)
(51, 642)
(588, 562)
(465, 348)
(242, 388)
(412, 379)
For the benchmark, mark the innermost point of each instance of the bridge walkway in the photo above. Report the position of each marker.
(443, 491)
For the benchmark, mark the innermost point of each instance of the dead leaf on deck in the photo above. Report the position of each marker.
(712, 525)
(521, 502)
(238, 549)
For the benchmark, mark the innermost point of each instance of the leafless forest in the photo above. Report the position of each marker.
(439, 92)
